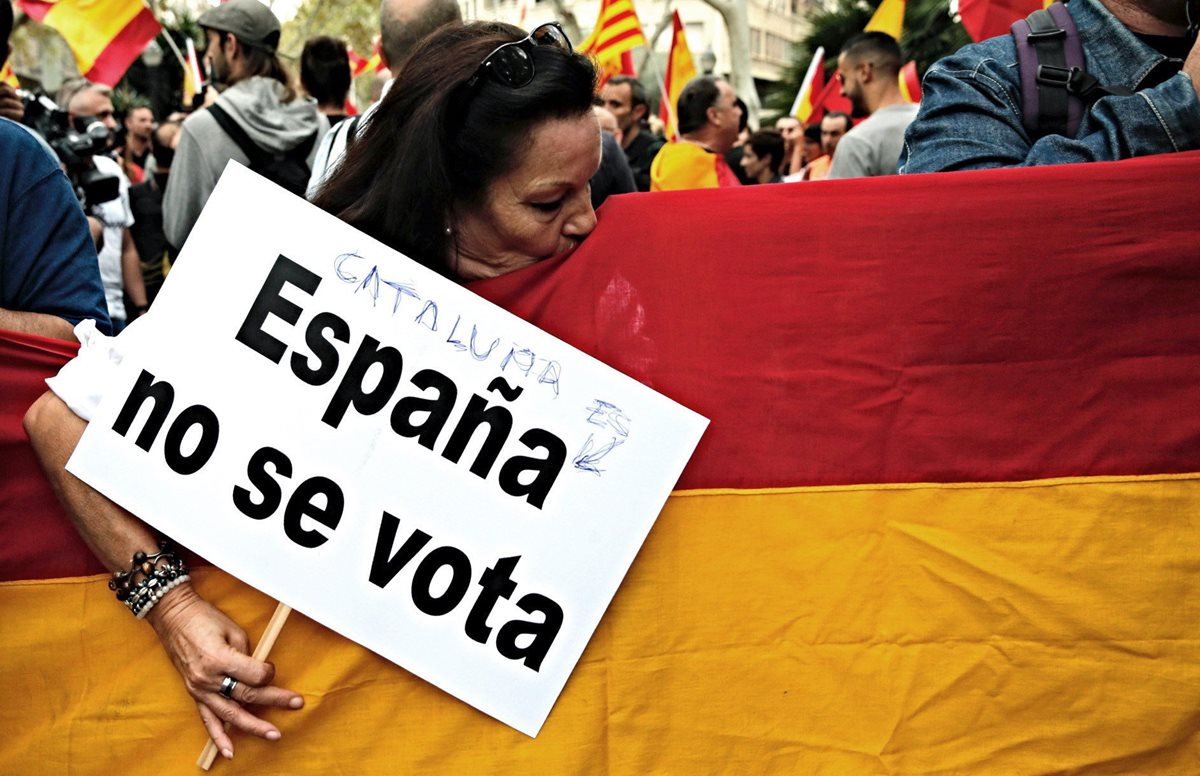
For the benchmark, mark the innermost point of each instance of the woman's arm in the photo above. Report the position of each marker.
(204, 644)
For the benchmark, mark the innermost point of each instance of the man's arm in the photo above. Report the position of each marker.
(131, 276)
(49, 262)
(37, 323)
(188, 186)
(970, 120)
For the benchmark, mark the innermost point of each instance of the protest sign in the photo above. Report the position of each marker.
(375, 446)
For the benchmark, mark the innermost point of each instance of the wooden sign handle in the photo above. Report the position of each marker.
(260, 653)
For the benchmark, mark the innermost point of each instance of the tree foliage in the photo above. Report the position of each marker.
(930, 33)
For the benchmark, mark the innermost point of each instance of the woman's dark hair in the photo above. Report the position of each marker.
(768, 144)
(325, 70)
(434, 142)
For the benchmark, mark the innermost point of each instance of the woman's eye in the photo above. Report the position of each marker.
(547, 207)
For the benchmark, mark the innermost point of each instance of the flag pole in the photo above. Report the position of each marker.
(260, 653)
(162, 30)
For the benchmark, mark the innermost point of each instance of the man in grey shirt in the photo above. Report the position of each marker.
(869, 69)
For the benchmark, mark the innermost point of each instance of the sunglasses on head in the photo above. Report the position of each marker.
(512, 64)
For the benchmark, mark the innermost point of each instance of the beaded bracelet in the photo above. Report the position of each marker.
(148, 579)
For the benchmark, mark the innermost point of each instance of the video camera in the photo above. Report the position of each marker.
(75, 144)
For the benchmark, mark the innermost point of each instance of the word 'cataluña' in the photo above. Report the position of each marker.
(422, 417)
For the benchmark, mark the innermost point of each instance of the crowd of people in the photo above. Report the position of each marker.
(489, 150)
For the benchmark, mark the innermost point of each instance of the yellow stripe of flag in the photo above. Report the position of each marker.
(865, 629)
(90, 25)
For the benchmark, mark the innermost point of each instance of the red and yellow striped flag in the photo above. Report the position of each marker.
(8, 76)
(680, 69)
(104, 35)
(617, 32)
(888, 18)
(812, 85)
(944, 519)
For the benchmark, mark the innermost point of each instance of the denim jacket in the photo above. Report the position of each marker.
(971, 118)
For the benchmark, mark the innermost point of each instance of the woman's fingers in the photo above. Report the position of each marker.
(216, 730)
(266, 696)
(234, 715)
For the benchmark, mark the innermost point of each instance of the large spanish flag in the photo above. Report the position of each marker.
(945, 518)
(104, 35)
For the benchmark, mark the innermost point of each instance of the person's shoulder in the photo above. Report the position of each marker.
(23, 146)
(994, 58)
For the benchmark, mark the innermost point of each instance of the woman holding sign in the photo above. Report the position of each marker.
(476, 164)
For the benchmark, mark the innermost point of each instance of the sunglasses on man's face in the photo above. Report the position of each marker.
(512, 64)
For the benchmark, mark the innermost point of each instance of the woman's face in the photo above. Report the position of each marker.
(540, 208)
(752, 163)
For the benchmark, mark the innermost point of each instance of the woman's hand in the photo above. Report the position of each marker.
(206, 646)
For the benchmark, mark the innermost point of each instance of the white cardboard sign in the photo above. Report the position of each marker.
(382, 450)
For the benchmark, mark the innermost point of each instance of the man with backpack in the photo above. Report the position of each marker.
(1093, 80)
(258, 120)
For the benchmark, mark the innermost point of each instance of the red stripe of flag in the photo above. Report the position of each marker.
(120, 52)
(616, 39)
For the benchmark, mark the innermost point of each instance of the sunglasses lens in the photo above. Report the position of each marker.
(512, 66)
(550, 35)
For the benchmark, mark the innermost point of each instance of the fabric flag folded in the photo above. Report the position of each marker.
(680, 69)
(889, 18)
(616, 34)
(943, 521)
(830, 99)
(104, 35)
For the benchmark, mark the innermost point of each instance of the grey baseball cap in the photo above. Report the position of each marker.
(249, 20)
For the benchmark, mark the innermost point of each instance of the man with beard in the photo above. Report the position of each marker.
(625, 97)
(972, 116)
(869, 69)
(260, 100)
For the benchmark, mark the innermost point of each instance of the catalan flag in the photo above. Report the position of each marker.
(943, 520)
(104, 35)
(888, 18)
(680, 69)
(617, 32)
(360, 64)
(810, 87)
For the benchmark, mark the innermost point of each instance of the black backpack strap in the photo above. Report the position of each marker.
(1055, 87)
(253, 152)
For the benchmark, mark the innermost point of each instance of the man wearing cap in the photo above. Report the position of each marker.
(242, 37)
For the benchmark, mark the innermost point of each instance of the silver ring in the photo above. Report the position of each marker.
(228, 685)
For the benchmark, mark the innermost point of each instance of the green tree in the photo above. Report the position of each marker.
(930, 33)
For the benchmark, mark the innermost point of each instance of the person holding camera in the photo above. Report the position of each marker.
(120, 270)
